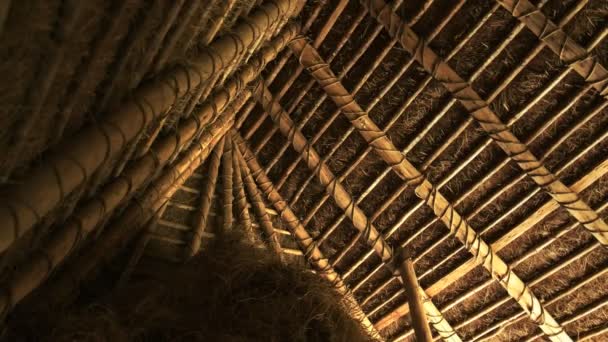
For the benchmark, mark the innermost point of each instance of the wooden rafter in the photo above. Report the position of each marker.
(312, 253)
(443, 209)
(344, 200)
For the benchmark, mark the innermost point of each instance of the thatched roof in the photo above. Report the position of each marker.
(469, 136)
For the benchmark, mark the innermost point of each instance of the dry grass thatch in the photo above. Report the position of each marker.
(468, 135)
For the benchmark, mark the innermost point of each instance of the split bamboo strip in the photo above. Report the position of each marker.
(311, 252)
(39, 90)
(476, 211)
(258, 205)
(516, 317)
(503, 324)
(319, 101)
(202, 216)
(278, 66)
(534, 52)
(62, 241)
(23, 205)
(417, 314)
(516, 232)
(403, 109)
(489, 121)
(329, 23)
(326, 177)
(558, 41)
(86, 70)
(445, 179)
(543, 212)
(484, 255)
(239, 196)
(227, 187)
(325, 29)
(503, 85)
(328, 231)
(342, 197)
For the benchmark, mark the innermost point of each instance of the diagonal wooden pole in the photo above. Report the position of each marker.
(424, 189)
(410, 283)
(258, 205)
(202, 216)
(488, 120)
(344, 200)
(310, 249)
(240, 199)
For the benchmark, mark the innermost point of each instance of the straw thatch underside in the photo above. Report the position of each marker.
(467, 135)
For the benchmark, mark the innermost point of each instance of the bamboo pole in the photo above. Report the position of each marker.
(23, 205)
(401, 111)
(312, 253)
(240, 198)
(458, 226)
(227, 186)
(37, 94)
(518, 231)
(410, 283)
(279, 66)
(460, 271)
(353, 60)
(62, 241)
(489, 121)
(559, 42)
(342, 198)
(258, 204)
(201, 219)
